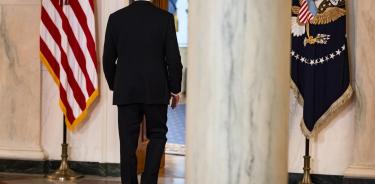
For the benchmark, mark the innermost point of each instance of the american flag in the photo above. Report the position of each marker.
(67, 49)
(304, 13)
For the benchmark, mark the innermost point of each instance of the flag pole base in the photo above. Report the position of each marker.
(306, 171)
(64, 172)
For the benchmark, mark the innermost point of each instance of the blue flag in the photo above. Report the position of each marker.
(319, 63)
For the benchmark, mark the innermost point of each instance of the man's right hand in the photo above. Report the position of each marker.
(175, 100)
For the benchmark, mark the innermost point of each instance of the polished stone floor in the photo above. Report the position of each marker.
(173, 173)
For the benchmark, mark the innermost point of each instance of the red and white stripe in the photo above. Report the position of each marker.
(67, 48)
(304, 13)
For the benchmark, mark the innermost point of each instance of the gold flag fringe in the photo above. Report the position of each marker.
(344, 98)
(296, 92)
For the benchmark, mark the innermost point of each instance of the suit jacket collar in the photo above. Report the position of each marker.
(141, 2)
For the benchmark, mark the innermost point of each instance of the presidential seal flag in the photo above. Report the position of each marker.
(67, 49)
(319, 60)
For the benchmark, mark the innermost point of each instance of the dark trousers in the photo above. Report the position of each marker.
(129, 119)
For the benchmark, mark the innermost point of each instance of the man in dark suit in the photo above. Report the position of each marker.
(142, 65)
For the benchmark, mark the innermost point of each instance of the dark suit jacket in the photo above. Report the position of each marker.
(141, 59)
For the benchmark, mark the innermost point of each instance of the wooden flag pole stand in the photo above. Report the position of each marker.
(64, 172)
(306, 165)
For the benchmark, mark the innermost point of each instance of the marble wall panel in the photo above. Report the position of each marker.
(20, 80)
(364, 149)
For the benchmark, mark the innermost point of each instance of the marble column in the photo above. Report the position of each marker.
(363, 48)
(20, 80)
(238, 84)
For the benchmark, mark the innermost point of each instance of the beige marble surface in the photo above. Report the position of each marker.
(364, 150)
(238, 84)
(19, 2)
(20, 81)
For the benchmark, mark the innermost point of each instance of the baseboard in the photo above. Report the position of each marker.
(295, 178)
(359, 171)
(45, 167)
(22, 166)
(113, 169)
(19, 153)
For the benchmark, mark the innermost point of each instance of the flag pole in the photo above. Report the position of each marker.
(306, 165)
(64, 172)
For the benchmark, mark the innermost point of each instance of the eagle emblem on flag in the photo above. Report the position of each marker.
(319, 60)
